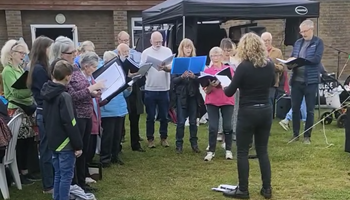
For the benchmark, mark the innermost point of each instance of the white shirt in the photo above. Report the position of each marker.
(157, 80)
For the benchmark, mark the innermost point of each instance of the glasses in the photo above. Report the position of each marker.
(70, 53)
(304, 31)
(125, 41)
(21, 52)
(267, 40)
(228, 50)
(158, 42)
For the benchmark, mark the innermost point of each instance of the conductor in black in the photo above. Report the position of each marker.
(254, 77)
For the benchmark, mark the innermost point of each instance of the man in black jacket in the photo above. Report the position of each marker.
(60, 124)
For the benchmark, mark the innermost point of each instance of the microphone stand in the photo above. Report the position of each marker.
(338, 57)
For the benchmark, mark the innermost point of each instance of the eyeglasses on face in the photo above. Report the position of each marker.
(70, 52)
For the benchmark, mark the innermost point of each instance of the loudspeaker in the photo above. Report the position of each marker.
(256, 29)
(291, 31)
(235, 32)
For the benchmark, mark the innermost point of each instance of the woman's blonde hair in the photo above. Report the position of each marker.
(109, 55)
(186, 43)
(252, 48)
(6, 51)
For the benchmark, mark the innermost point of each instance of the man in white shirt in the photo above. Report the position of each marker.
(157, 90)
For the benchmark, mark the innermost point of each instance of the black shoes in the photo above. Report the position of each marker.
(196, 149)
(139, 149)
(179, 150)
(237, 194)
(117, 161)
(266, 193)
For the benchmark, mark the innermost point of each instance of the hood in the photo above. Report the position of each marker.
(51, 90)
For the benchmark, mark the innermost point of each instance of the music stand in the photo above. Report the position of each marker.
(338, 58)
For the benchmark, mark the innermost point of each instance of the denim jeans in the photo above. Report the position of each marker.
(45, 161)
(289, 115)
(63, 162)
(189, 111)
(154, 99)
(300, 90)
(253, 121)
(213, 115)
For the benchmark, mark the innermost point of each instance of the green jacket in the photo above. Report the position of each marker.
(22, 96)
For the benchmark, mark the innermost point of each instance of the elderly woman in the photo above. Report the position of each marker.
(86, 46)
(217, 102)
(20, 101)
(82, 88)
(64, 48)
(255, 111)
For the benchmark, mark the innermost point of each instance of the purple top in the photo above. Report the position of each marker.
(78, 89)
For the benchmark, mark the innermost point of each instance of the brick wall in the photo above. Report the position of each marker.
(3, 29)
(120, 23)
(14, 24)
(92, 25)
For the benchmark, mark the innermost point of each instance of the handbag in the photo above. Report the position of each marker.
(28, 110)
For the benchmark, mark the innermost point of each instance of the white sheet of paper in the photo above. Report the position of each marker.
(114, 79)
(224, 80)
(284, 61)
(156, 62)
(224, 188)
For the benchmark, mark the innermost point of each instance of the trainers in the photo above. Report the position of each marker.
(209, 156)
(223, 145)
(307, 140)
(32, 177)
(229, 155)
(207, 148)
(284, 124)
(89, 180)
(151, 144)
(48, 191)
(25, 181)
(219, 138)
(164, 143)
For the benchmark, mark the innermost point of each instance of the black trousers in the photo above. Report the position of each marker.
(26, 152)
(111, 138)
(90, 154)
(134, 119)
(81, 167)
(253, 121)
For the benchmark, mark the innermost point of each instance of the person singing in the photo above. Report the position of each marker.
(253, 77)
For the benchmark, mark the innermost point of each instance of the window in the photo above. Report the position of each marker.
(136, 29)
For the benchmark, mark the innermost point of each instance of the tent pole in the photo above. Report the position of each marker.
(318, 88)
(183, 27)
(142, 36)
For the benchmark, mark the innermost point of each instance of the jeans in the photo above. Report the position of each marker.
(189, 111)
(154, 99)
(46, 167)
(213, 115)
(253, 121)
(63, 162)
(289, 115)
(300, 90)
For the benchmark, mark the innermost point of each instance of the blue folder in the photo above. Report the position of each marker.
(193, 64)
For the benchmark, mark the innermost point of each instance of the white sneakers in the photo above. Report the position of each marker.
(211, 155)
(284, 124)
(187, 123)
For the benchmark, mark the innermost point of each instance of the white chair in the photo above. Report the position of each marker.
(10, 157)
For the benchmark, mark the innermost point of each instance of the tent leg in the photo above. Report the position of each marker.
(183, 27)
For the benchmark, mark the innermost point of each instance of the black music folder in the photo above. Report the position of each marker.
(204, 79)
(21, 83)
(135, 67)
(294, 63)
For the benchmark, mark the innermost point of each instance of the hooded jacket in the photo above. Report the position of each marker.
(59, 118)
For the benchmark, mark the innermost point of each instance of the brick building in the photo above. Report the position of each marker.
(101, 20)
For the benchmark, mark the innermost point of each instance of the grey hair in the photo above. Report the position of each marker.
(88, 58)
(85, 44)
(309, 23)
(215, 50)
(109, 55)
(61, 45)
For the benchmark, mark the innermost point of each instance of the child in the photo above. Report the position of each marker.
(62, 133)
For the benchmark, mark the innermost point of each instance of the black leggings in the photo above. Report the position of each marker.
(26, 150)
(253, 121)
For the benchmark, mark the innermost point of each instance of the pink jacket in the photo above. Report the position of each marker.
(217, 96)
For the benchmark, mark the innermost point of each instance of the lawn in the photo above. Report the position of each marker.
(310, 172)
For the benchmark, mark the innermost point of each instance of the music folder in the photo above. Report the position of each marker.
(137, 68)
(21, 83)
(204, 79)
(192, 64)
(113, 76)
(294, 63)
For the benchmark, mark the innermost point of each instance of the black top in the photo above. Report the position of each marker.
(40, 76)
(59, 119)
(254, 83)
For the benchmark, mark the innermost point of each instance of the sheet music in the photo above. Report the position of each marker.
(114, 79)
(285, 61)
(224, 80)
(156, 62)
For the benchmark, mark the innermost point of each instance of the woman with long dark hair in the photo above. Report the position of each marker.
(254, 77)
(39, 74)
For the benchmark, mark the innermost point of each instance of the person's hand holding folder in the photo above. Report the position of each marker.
(191, 75)
(185, 75)
(214, 83)
(97, 86)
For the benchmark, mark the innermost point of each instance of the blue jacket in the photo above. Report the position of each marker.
(117, 107)
(40, 76)
(314, 53)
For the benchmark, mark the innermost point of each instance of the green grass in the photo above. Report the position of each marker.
(310, 172)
